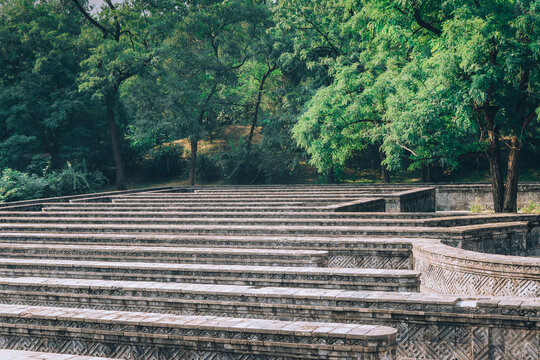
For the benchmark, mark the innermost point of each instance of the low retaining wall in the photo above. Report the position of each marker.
(143, 336)
(326, 278)
(430, 326)
(449, 270)
(36, 204)
(362, 205)
(376, 253)
(414, 200)
(510, 238)
(461, 197)
(34, 355)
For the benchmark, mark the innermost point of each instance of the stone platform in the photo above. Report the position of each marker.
(267, 272)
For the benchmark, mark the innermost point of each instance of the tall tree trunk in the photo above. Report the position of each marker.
(494, 157)
(193, 161)
(384, 171)
(115, 144)
(331, 175)
(258, 105)
(512, 176)
(425, 174)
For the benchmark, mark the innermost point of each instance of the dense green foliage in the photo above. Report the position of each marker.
(341, 85)
(17, 185)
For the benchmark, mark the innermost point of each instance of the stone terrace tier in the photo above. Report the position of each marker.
(268, 272)
(421, 318)
(143, 336)
(358, 252)
(35, 355)
(206, 255)
(327, 278)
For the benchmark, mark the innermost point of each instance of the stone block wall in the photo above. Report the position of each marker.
(144, 336)
(448, 270)
(461, 197)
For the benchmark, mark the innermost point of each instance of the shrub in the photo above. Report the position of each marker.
(209, 168)
(242, 166)
(531, 208)
(17, 185)
(476, 207)
(164, 161)
(71, 180)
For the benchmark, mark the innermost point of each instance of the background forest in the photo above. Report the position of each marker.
(137, 92)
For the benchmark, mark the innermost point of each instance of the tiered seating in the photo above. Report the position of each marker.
(245, 272)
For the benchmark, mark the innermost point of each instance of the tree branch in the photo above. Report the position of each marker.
(424, 24)
(325, 37)
(106, 32)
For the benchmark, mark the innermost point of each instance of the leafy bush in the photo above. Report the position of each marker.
(476, 207)
(531, 208)
(71, 181)
(242, 166)
(17, 185)
(164, 161)
(209, 168)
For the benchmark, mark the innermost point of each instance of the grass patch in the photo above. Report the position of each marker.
(531, 208)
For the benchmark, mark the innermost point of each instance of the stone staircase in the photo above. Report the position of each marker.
(249, 273)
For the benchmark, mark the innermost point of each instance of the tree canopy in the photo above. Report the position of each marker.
(391, 84)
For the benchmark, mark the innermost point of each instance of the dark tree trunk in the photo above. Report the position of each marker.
(384, 171)
(425, 174)
(512, 176)
(494, 158)
(115, 145)
(193, 161)
(331, 175)
(258, 105)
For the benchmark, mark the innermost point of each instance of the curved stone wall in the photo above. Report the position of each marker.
(449, 270)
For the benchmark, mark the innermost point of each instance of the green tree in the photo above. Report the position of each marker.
(434, 81)
(122, 38)
(42, 116)
(198, 65)
(478, 70)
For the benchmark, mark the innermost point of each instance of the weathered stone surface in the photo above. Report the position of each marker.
(136, 335)
(328, 278)
(35, 355)
(123, 262)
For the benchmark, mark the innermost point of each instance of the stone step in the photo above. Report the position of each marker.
(158, 213)
(123, 207)
(138, 219)
(264, 229)
(36, 355)
(206, 255)
(141, 336)
(327, 278)
(236, 202)
(412, 313)
(241, 197)
(283, 192)
(211, 221)
(355, 252)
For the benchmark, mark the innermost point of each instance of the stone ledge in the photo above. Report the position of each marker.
(329, 278)
(201, 334)
(451, 270)
(421, 318)
(225, 256)
(35, 355)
